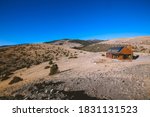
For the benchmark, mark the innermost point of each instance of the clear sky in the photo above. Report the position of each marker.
(28, 21)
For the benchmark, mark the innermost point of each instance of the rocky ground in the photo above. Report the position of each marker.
(47, 90)
(26, 71)
(89, 76)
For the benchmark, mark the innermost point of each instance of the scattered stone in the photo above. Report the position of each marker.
(39, 91)
(66, 89)
(46, 91)
(51, 91)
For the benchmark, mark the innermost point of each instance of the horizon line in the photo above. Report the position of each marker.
(113, 38)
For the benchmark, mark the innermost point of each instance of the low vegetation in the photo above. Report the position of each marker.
(46, 67)
(53, 69)
(97, 47)
(85, 42)
(16, 79)
(23, 56)
(141, 49)
(47, 91)
(50, 62)
(82, 42)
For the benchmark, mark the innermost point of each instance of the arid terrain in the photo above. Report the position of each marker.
(83, 70)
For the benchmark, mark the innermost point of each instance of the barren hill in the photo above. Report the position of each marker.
(139, 44)
(142, 40)
(21, 56)
(74, 43)
(25, 72)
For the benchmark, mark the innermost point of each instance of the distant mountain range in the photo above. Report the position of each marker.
(77, 41)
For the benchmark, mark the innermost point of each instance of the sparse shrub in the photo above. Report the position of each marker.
(46, 67)
(56, 58)
(60, 44)
(5, 74)
(28, 65)
(5, 78)
(37, 62)
(57, 54)
(15, 80)
(73, 56)
(53, 69)
(67, 54)
(50, 62)
(103, 54)
(22, 56)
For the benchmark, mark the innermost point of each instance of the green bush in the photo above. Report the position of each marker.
(53, 69)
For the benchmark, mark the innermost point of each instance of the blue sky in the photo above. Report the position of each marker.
(31, 21)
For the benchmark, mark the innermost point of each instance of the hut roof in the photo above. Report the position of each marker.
(115, 49)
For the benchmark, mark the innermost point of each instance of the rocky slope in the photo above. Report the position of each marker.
(22, 56)
(90, 76)
(139, 44)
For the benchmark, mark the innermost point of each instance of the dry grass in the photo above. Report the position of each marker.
(98, 47)
(21, 56)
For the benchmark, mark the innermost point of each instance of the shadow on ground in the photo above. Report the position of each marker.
(47, 91)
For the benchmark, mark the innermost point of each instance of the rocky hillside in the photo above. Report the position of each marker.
(52, 71)
(21, 56)
(141, 40)
(139, 44)
(74, 43)
(47, 90)
(97, 47)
